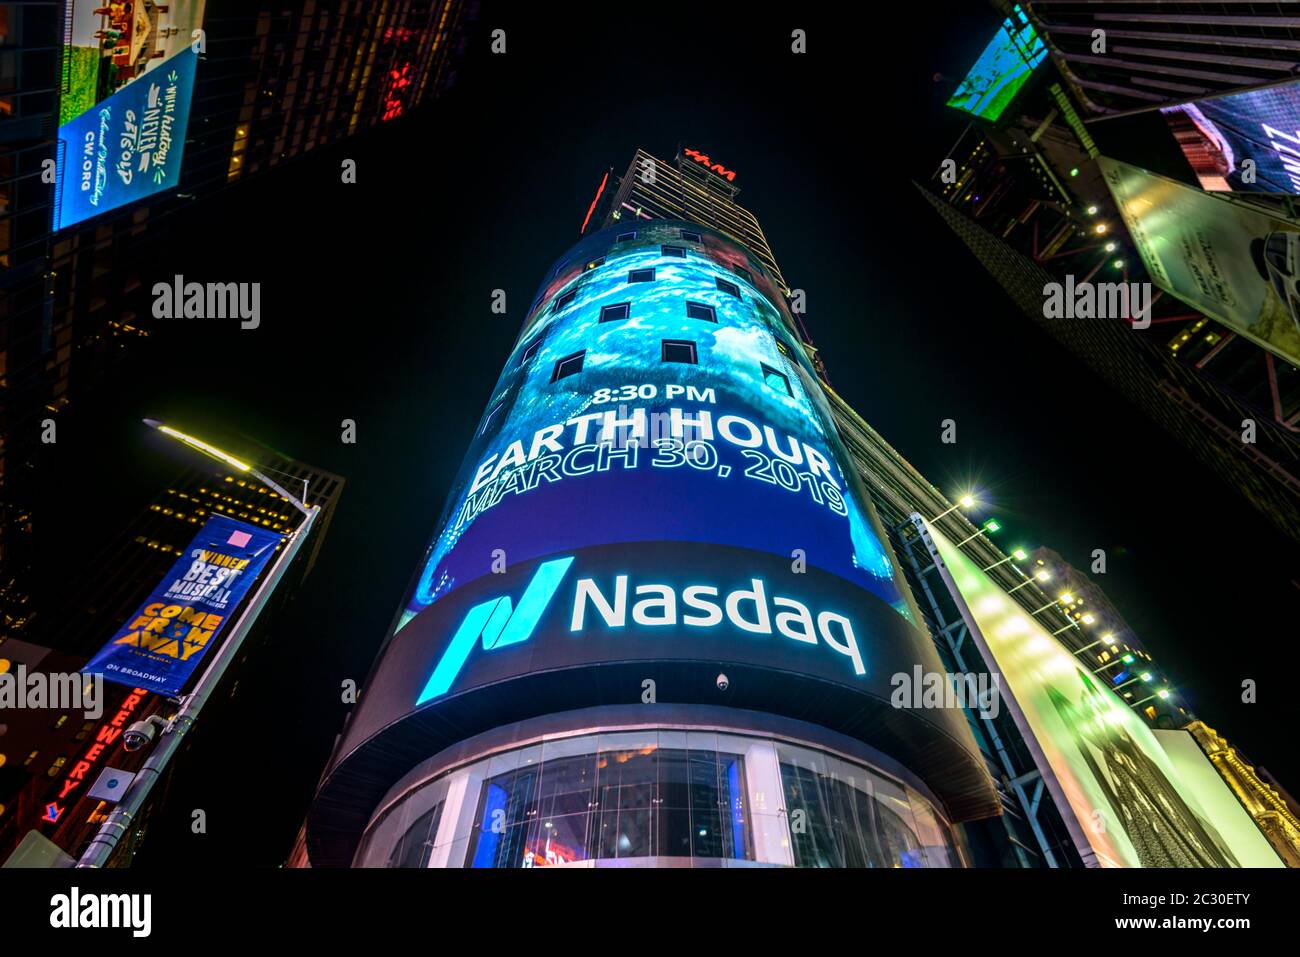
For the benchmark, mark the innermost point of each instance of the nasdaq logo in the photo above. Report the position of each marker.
(499, 623)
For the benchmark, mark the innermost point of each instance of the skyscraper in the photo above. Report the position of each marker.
(657, 621)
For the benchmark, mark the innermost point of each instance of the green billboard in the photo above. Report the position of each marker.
(1124, 800)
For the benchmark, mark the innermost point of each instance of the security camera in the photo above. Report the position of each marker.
(723, 683)
(141, 733)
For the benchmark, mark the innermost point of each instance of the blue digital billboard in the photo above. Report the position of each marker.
(656, 508)
(1242, 142)
(1002, 70)
(656, 398)
(128, 78)
(159, 647)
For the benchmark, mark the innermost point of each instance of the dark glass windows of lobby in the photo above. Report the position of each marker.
(640, 802)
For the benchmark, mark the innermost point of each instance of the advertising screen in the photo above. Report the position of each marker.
(164, 641)
(1130, 805)
(128, 76)
(655, 509)
(1234, 262)
(657, 399)
(1002, 70)
(1245, 142)
(1204, 783)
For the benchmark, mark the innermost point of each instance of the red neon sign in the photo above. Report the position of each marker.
(105, 737)
(703, 158)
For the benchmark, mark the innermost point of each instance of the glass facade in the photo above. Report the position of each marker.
(660, 798)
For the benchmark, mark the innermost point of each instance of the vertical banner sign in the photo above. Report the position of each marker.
(127, 78)
(162, 644)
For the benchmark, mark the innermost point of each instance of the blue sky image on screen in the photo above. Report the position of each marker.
(501, 501)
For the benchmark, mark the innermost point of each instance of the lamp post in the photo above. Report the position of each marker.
(966, 501)
(119, 821)
(1018, 554)
(1039, 576)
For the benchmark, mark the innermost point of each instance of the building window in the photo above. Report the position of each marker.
(743, 274)
(569, 365)
(560, 267)
(679, 350)
(730, 288)
(698, 310)
(564, 300)
(691, 237)
(775, 380)
(530, 351)
(416, 845)
(625, 237)
(782, 348)
(596, 263)
(677, 251)
(641, 275)
(615, 313)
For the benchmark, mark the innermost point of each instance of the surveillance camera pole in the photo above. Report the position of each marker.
(119, 821)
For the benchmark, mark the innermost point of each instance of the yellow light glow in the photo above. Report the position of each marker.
(1088, 619)
(966, 501)
(1067, 597)
(205, 448)
(1042, 575)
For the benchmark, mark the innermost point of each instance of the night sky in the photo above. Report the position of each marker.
(375, 307)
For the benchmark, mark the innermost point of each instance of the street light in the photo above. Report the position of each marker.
(966, 501)
(173, 730)
(1041, 575)
(1018, 554)
(227, 459)
(991, 526)
(1162, 694)
(1065, 598)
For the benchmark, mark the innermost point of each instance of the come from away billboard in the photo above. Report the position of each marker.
(163, 642)
(128, 76)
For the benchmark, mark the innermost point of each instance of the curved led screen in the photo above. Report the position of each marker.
(656, 397)
(656, 506)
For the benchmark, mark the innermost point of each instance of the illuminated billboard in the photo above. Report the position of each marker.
(159, 647)
(1201, 780)
(655, 507)
(1123, 800)
(1002, 70)
(1244, 142)
(1234, 262)
(128, 76)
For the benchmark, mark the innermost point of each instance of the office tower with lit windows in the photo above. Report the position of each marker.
(250, 86)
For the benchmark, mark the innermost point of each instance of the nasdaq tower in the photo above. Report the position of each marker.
(658, 621)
